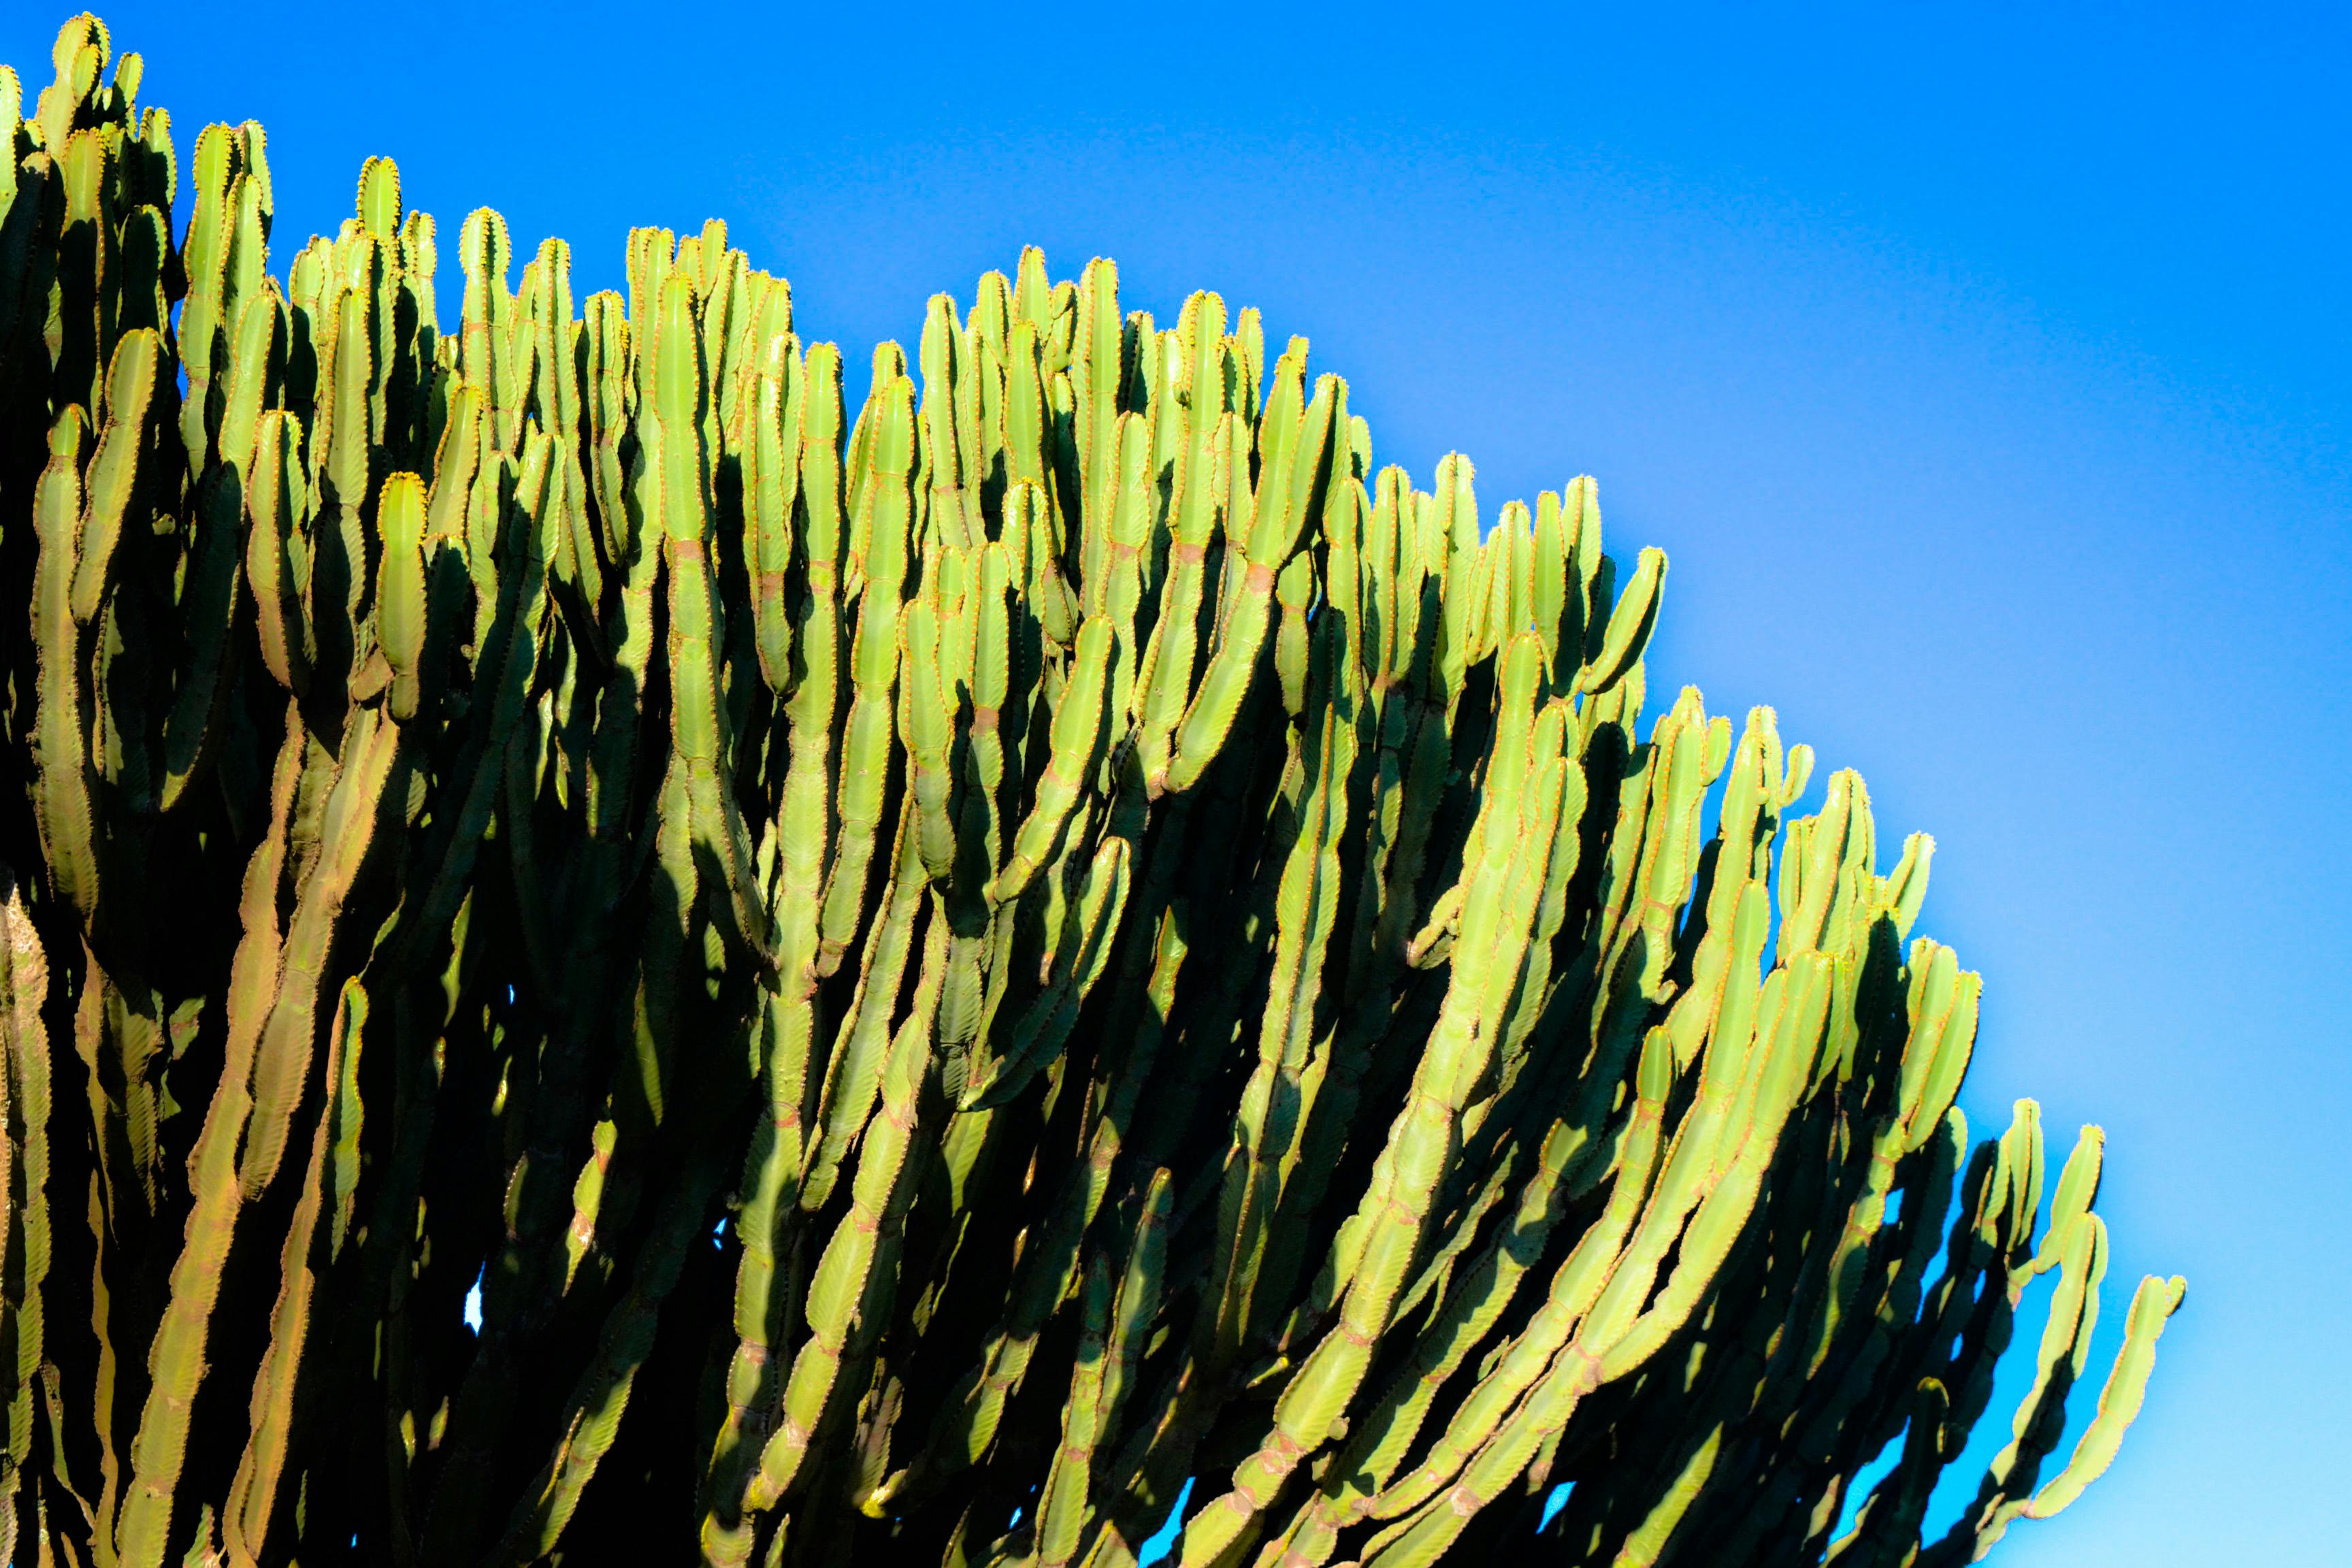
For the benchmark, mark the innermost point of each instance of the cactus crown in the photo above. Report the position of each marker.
(1165, 951)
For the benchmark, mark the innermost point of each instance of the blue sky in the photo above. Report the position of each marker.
(1985, 370)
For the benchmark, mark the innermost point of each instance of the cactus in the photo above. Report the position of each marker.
(1177, 937)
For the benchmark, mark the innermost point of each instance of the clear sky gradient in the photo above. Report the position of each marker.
(1985, 370)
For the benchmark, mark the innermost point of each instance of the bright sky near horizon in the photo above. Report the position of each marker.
(1986, 371)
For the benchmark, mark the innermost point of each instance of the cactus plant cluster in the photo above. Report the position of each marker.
(943, 972)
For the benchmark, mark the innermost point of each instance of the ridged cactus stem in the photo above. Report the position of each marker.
(698, 724)
(845, 1285)
(274, 993)
(884, 519)
(25, 976)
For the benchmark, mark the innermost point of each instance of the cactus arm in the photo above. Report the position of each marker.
(24, 988)
(1710, 1177)
(698, 719)
(1271, 1112)
(281, 1060)
(967, 1424)
(1576, 1286)
(1390, 1222)
(1076, 742)
(775, 1159)
(1166, 682)
(1062, 1500)
(948, 387)
(276, 561)
(205, 260)
(771, 482)
(2006, 1495)
(1628, 627)
(874, 660)
(1279, 519)
(979, 828)
(1374, 1456)
(1886, 1528)
(506, 665)
(215, 607)
(598, 1399)
(930, 726)
(853, 1076)
(845, 1282)
(114, 474)
(253, 1491)
(63, 784)
(195, 1275)
(1044, 1026)
(2153, 1304)
(1097, 375)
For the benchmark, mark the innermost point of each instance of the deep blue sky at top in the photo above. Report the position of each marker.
(1985, 370)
